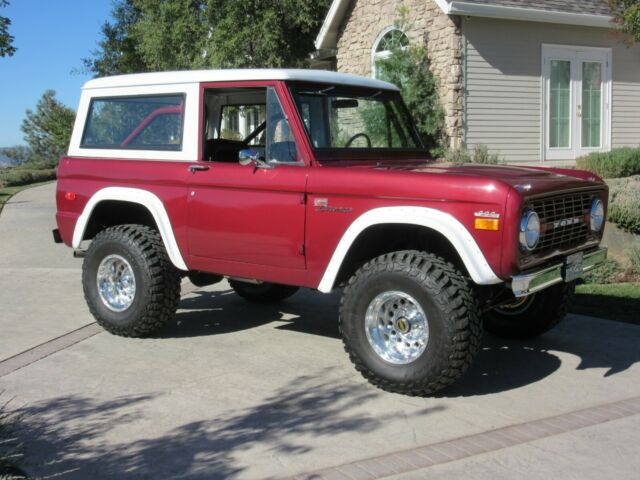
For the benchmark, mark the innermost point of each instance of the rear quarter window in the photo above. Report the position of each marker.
(151, 122)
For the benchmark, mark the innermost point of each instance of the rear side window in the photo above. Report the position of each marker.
(152, 122)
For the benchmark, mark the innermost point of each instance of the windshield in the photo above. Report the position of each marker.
(348, 122)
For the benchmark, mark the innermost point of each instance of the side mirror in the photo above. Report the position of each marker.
(248, 156)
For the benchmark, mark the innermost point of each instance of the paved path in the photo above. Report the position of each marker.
(237, 391)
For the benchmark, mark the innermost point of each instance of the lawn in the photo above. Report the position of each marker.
(7, 192)
(615, 301)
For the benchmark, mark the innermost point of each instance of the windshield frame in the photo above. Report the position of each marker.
(361, 153)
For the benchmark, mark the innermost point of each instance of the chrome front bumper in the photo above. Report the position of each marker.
(526, 284)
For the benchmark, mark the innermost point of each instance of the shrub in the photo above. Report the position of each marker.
(624, 203)
(619, 162)
(480, 154)
(607, 273)
(20, 176)
(633, 254)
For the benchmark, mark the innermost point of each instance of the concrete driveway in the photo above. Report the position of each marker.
(231, 390)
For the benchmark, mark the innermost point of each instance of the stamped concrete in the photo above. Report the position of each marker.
(232, 390)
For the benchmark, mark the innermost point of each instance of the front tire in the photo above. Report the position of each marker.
(533, 315)
(130, 285)
(262, 292)
(409, 322)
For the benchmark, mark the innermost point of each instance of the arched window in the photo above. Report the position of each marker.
(389, 39)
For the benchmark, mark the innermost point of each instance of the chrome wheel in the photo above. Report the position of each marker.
(116, 283)
(397, 327)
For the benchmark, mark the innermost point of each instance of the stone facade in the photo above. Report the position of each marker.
(366, 19)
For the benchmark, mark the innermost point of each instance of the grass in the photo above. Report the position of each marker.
(7, 192)
(614, 301)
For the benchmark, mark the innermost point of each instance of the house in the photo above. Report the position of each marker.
(546, 80)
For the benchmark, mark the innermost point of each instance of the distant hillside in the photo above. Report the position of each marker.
(5, 161)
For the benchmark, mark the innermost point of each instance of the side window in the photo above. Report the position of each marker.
(240, 118)
(281, 145)
(151, 122)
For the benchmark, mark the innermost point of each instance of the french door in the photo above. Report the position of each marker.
(577, 89)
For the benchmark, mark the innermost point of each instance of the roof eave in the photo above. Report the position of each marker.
(327, 37)
(528, 14)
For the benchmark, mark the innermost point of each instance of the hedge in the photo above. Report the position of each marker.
(619, 162)
(14, 177)
(624, 203)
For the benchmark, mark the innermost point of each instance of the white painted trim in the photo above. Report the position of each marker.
(335, 15)
(384, 54)
(527, 14)
(329, 23)
(189, 152)
(192, 77)
(444, 223)
(575, 54)
(144, 198)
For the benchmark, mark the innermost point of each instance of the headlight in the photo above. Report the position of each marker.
(529, 230)
(597, 215)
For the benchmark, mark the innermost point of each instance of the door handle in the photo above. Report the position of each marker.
(198, 168)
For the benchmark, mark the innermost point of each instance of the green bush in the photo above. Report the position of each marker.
(14, 177)
(480, 154)
(607, 273)
(619, 162)
(624, 203)
(633, 254)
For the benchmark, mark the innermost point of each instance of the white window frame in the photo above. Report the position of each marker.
(385, 53)
(574, 54)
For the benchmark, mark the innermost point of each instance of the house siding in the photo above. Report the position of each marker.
(503, 87)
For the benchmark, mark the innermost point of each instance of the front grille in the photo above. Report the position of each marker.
(564, 221)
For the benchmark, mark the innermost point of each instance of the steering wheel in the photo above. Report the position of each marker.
(356, 136)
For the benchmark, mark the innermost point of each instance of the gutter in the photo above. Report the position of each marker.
(526, 14)
(326, 38)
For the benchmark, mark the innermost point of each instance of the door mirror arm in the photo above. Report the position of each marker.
(249, 156)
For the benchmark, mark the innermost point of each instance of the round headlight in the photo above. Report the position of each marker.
(529, 230)
(597, 215)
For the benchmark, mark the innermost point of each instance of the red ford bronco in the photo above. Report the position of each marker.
(280, 179)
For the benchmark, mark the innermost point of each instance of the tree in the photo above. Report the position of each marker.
(6, 41)
(117, 51)
(47, 131)
(627, 15)
(19, 154)
(156, 35)
(277, 33)
(408, 67)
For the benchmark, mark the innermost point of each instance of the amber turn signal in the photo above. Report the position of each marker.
(487, 224)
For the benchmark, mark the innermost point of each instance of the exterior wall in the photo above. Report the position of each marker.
(367, 18)
(503, 86)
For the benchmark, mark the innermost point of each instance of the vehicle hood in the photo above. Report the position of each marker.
(526, 180)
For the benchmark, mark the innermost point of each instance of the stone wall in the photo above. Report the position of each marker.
(366, 19)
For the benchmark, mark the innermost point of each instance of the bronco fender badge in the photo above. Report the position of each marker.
(486, 214)
(322, 205)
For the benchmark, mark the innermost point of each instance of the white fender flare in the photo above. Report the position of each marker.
(441, 222)
(144, 198)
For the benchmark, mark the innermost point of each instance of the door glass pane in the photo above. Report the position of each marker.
(560, 104)
(591, 103)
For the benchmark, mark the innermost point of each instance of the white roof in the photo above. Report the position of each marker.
(226, 75)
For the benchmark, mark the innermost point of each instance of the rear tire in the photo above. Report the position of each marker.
(533, 315)
(130, 285)
(262, 292)
(409, 322)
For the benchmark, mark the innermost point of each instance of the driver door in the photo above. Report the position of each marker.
(243, 215)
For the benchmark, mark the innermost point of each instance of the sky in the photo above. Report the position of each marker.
(52, 37)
